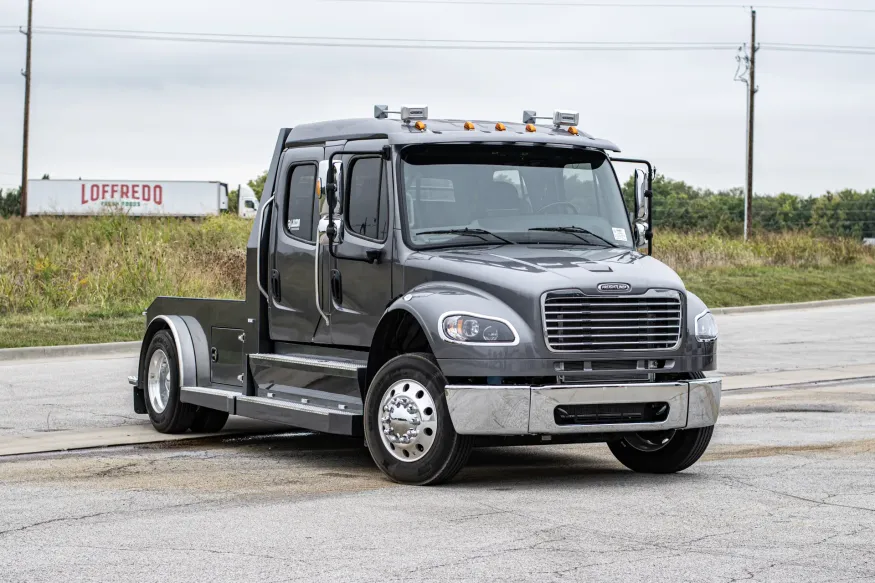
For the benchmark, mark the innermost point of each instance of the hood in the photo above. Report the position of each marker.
(531, 270)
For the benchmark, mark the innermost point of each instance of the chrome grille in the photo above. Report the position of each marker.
(574, 322)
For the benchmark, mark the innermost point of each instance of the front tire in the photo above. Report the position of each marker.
(407, 424)
(167, 413)
(662, 452)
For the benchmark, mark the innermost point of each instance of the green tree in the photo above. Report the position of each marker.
(233, 201)
(257, 184)
(10, 202)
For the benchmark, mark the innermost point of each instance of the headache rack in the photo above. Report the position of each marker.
(576, 322)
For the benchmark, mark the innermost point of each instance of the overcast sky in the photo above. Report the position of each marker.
(114, 108)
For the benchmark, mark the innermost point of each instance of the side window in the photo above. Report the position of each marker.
(367, 205)
(299, 205)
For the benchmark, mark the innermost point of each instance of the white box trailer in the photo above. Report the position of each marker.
(175, 198)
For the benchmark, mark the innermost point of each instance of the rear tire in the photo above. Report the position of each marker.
(208, 420)
(161, 387)
(407, 425)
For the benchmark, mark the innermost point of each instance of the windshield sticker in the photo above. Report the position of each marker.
(619, 234)
(295, 224)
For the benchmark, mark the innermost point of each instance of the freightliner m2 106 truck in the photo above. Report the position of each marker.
(437, 284)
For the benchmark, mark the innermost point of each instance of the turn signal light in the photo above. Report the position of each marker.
(530, 127)
(500, 127)
(420, 126)
(469, 125)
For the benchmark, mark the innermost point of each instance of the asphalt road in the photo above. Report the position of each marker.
(59, 394)
(786, 492)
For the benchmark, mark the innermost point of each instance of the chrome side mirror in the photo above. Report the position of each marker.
(641, 188)
(333, 184)
(328, 232)
(640, 234)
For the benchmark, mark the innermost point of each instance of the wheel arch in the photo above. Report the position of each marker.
(400, 331)
(189, 373)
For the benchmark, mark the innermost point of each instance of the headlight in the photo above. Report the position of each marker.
(706, 327)
(465, 328)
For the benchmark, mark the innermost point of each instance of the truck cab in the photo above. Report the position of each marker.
(434, 285)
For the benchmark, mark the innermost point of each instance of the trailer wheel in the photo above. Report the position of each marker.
(208, 420)
(407, 424)
(167, 413)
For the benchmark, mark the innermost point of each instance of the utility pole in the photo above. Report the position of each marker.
(752, 89)
(26, 73)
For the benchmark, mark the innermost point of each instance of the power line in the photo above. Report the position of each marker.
(52, 29)
(451, 44)
(828, 49)
(610, 5)
(398, 43)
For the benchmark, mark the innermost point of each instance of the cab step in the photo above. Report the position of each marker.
(338, 367)
(339, 419)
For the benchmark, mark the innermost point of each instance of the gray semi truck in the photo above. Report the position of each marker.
(434, 285)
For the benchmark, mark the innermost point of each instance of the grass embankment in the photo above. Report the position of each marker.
(771, 269)
(83, 280)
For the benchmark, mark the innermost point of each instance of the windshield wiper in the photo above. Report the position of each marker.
(467, 231)
(576, 231)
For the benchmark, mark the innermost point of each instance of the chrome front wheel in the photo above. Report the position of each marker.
(408, 420)
(407, 425)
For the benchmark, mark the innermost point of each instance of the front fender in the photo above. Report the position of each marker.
(429, 301)
(704, 353)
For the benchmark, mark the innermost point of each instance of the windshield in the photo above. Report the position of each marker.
(502, 194)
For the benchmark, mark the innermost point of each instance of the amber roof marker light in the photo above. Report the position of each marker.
(420, 126)
(469, 126)
(500, 127)
(531, 128)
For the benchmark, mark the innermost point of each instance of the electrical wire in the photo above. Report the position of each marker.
(828, 49)
(400, 44)
(321, 38)
(611, 5)
(440, 44)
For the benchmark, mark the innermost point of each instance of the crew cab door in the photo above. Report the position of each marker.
(291, 284)
(360, 278)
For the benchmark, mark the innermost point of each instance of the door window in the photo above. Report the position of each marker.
(300, 202)
(367, 209)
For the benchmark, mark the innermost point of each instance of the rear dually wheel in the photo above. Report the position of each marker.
(167, 413)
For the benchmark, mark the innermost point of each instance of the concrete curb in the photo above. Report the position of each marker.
(796, 306)
(118, 348)
(37, 352)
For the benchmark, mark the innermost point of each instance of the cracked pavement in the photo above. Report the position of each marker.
(786, 492)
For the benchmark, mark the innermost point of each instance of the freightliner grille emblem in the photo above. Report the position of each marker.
(619, 288)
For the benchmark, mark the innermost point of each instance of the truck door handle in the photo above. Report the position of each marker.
(336, 286)
(275, 288)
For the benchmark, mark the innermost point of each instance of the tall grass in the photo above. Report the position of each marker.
(688, 252)
(116, 265)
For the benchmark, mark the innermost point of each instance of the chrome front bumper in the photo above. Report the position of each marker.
(521, 409)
